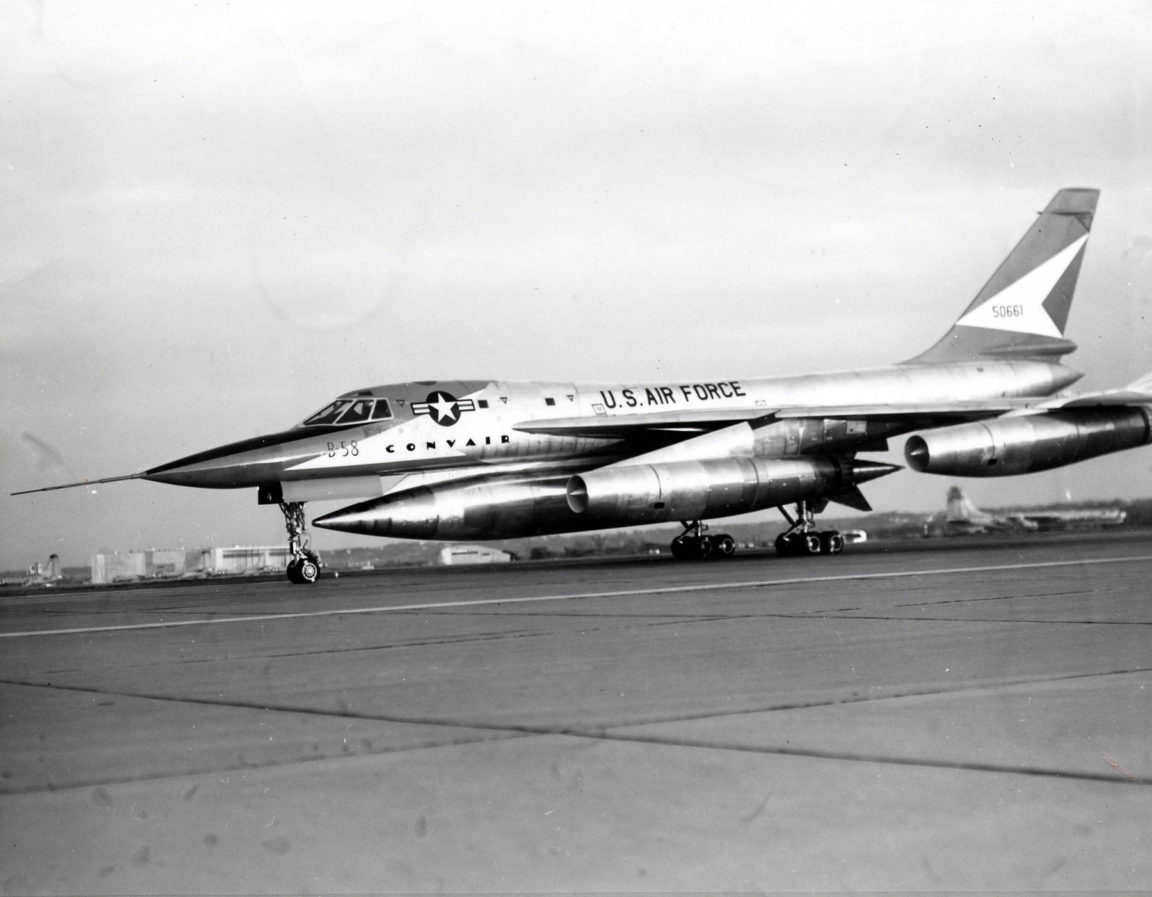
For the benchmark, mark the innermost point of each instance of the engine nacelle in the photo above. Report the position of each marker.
(512, 506)
(487, 508)
(696, 490)
(1014, 445)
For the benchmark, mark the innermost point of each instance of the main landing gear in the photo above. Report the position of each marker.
(801, 537)
(304, 567)
(693, 544)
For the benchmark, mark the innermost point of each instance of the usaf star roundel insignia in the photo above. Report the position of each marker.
(443, 407)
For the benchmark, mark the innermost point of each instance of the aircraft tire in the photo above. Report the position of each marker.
(294, 572)
(831, 542)
(697, 548)
(724, 545)
(308, 571)
(792, 545)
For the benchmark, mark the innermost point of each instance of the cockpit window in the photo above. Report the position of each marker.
(350, 411)
(361, 410)
(328, 414)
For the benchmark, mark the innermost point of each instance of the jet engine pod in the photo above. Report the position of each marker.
(1014, 445)
(696, 490)
(491, 507)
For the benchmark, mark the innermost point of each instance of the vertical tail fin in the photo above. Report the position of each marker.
(960, 508)
(1022, 310)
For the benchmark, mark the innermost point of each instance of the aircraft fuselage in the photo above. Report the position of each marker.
(453, 425)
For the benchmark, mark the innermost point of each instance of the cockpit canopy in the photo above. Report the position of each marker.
(350, 410)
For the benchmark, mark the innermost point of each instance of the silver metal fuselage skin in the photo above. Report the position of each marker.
(455, 453)
(487, 438)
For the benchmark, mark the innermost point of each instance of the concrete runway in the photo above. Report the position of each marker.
(962, 716)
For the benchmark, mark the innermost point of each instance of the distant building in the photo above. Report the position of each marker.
(167, 562)
(118, 566)
(473, 554)
(245, 559)
(45, 574)
(113, 566)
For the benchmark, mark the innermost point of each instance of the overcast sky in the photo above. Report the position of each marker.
(216, 216)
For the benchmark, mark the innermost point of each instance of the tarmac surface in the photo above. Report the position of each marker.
(968, 715)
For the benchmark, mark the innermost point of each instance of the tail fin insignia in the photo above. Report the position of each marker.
(1022, 310)
(1022, 306)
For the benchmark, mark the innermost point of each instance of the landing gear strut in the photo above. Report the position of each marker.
(304, 567)
(693, 544)
(801, 537)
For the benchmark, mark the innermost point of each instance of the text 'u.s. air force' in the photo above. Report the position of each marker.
(679, 394)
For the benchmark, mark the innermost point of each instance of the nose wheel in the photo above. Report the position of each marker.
(802, 539)
(695, 545)
(304, 571)
(304, 565)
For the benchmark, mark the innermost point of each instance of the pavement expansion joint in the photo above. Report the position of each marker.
(1078, 592)
(968, 766)
(263, 764)
(614, 732)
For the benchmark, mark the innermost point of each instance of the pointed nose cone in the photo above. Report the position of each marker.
(412, 514)
(250, 462)
(199, 475)
(361, 518)
(863, 471)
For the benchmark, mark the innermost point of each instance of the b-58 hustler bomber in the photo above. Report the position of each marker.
(488, 459)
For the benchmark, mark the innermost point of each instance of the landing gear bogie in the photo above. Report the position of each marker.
(797, 544)
(802, 539)
(694, 545)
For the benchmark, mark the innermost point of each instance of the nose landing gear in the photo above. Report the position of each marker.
(802, 539)
(304, 567)
(693, 544)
